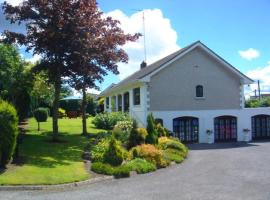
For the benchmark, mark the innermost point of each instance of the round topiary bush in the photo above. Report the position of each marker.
(8, 132)
(41, 115)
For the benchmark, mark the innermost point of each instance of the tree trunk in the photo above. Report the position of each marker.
(84, 104)
(57, 87)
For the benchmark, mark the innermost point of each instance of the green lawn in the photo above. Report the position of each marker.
(50, 163)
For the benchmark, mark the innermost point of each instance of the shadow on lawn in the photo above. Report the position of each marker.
(39, 150)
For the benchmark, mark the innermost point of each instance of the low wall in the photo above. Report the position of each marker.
(206, 120)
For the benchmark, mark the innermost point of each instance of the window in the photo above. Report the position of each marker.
(119, 102)
(113, 103)
(136, 96)
(107, 102)
(199, 91)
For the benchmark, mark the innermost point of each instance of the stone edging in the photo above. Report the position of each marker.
(54, 187)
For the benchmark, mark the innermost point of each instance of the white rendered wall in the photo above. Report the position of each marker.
(138, 112)
(206, 119)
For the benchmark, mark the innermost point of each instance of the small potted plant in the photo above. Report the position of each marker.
(209, 136)
(246, 134)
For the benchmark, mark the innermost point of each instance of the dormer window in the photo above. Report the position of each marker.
(199, 91)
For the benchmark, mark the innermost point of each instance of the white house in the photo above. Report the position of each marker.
(195, 93)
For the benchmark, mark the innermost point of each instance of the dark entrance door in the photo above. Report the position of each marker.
(260, 127)
(126, 102)
(225, 128)
(186, 129)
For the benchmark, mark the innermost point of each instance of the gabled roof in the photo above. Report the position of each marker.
(156, 66)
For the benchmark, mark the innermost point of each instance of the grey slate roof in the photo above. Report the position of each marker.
(147, 70)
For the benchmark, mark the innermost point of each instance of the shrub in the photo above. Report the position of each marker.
(114, 154)
(109, 120)
(103, 135)
(173, 155)
(102, 168)
(161, 131)
(152, 136)
(121, 130)
(125, 126)
(172, 143)
(98, 151)
(8, 132)
(41, 115)
(141, 166)
(150, 153)
(117, 172)
(61, 113)
(121, 171)
(137, 136)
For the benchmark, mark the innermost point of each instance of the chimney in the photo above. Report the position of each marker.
(143, 64)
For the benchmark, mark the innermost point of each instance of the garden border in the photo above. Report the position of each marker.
(57, 186)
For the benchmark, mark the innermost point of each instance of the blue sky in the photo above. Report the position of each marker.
(226, 27)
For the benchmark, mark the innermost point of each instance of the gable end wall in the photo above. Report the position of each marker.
(173, 88)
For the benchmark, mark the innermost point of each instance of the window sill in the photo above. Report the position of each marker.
(136, 106)
(199, 98)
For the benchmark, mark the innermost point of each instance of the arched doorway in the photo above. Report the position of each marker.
(225, 128)
(186, 129)
(260, 127)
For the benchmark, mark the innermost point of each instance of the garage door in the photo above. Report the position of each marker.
(260, 127)
(225, 129)
(186, 129)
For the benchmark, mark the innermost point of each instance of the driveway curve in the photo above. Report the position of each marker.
(219, 171)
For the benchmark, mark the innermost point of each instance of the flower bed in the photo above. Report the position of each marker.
(127, 149)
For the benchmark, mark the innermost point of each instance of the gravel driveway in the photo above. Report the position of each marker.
(219, 171)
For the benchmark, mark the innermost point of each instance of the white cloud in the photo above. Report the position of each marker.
(13, 2)
(161, 38)
(33, 59)
(262, 74)
(249, 54)
(93, 91)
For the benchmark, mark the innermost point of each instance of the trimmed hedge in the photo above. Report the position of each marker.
(103, 168)
(173, 155)
(8, 132)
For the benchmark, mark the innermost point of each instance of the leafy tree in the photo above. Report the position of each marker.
(254, 103)
(41, 115)
(265, 102)
(65, 91)
(74, 39)
(152, 137)
(100, 105)
(15, 79)
(95, 48)
(43, 91)
(91, 105)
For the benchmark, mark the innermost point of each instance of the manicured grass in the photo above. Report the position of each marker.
(45, 162)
